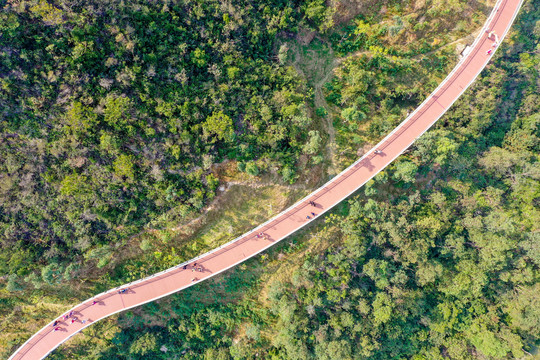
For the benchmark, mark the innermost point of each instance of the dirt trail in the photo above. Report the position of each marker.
(317, 67)
(320, 101)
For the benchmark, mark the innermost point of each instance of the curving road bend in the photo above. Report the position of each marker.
(293, 218)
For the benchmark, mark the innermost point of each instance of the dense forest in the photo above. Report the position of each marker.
(116, 117)
(115, 112)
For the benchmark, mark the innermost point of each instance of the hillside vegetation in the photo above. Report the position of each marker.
(122, 120)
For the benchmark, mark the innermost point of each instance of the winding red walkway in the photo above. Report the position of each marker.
(292, 219)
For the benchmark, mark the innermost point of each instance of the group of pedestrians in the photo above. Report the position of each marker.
(194, 268)
(65, 318)
(312, 203)
(262, 235)
(492, 34)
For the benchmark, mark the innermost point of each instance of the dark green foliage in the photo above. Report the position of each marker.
(443, 268)
(113, 113)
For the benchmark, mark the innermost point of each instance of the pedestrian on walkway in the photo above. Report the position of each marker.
(94, 302)
(308, 217)
(84, 321)
(71, 313)
(55, 323)
(56, 328)
(312, 213)
(489, 51)
(73, 320)
(185, 267)
(193, 280)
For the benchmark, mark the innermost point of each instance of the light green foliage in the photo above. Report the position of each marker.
(101, 254)
(47, 12)
(524, 309)
(218, 125)
(117, 112)
(147, 343)
(52, 274)
(487, 343)
(406, 171)
(73, 184)
(198, 57)
(314, 143)
(320, 14)
(252, 168)
(253, 332)
(81, 120)
(124, 168)
(289, 175)
(14, 284)
(382, 308)
(352, 115)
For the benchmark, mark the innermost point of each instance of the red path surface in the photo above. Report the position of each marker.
(292, 219)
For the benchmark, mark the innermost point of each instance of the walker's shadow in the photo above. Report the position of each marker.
(367, 163)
